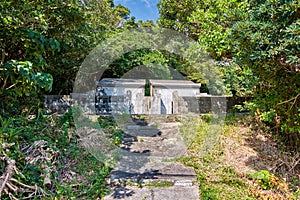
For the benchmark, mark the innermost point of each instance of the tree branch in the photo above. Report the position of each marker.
(9, 171)
(294, 98)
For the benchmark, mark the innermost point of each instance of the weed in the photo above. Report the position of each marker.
(74, 173)
(171, 159)
(221, 176)
(163, 183)
(263, 178)
(216, 179)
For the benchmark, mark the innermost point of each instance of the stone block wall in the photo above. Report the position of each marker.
(206, 104)
(148, 105)
(57, 103)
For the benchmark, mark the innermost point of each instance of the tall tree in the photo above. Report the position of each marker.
(45, 40)
(257, 45)
(210, 23)
(268, 42)
(175, 15)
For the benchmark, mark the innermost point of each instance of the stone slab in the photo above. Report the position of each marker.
(149, 193)
(152, 159)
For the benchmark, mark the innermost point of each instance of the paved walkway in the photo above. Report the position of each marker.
(148, 169)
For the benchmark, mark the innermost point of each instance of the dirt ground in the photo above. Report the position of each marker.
(249, 149)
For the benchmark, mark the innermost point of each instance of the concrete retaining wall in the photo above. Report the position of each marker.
(148, 105)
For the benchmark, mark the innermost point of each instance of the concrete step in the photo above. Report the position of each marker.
(173, 172)
(158, 147)
(154, 193)
(138, 130)
(148, 158)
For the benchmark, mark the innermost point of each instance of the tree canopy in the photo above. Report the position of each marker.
(257, 46)
(268, 43)
(42, 41)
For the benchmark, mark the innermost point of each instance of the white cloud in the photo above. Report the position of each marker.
(147, 2)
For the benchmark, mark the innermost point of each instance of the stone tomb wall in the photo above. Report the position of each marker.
(151, 105)
(171, 92)
(128, 96)
(124, 95)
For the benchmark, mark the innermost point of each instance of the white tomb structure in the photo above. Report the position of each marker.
(123, 94)
(171, 91)
(128, 95)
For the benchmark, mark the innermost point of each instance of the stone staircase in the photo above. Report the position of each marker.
(148, 170)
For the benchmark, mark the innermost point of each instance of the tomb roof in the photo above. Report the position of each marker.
(174, 83)
(112, 82)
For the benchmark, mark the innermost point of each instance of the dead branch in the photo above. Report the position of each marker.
(287, 164)
(9, 172)
(10, 185)
(294, 99)
(12, 196)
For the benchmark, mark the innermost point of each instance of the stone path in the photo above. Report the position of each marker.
(148, 169)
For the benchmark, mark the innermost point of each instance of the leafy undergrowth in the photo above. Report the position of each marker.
(242, 162)
(42, 158)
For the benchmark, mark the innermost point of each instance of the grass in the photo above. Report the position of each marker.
(160, 184)
(170, 159)
(74, 173)
(216, 180)
(220, 153)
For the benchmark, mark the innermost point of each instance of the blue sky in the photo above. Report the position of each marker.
(141, 9)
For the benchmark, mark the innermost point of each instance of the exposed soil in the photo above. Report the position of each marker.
(249, 149)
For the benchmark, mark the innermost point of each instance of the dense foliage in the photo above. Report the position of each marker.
(268, 43)
(210, 23)
(42, 41)
(257, 44)
(49, 159)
